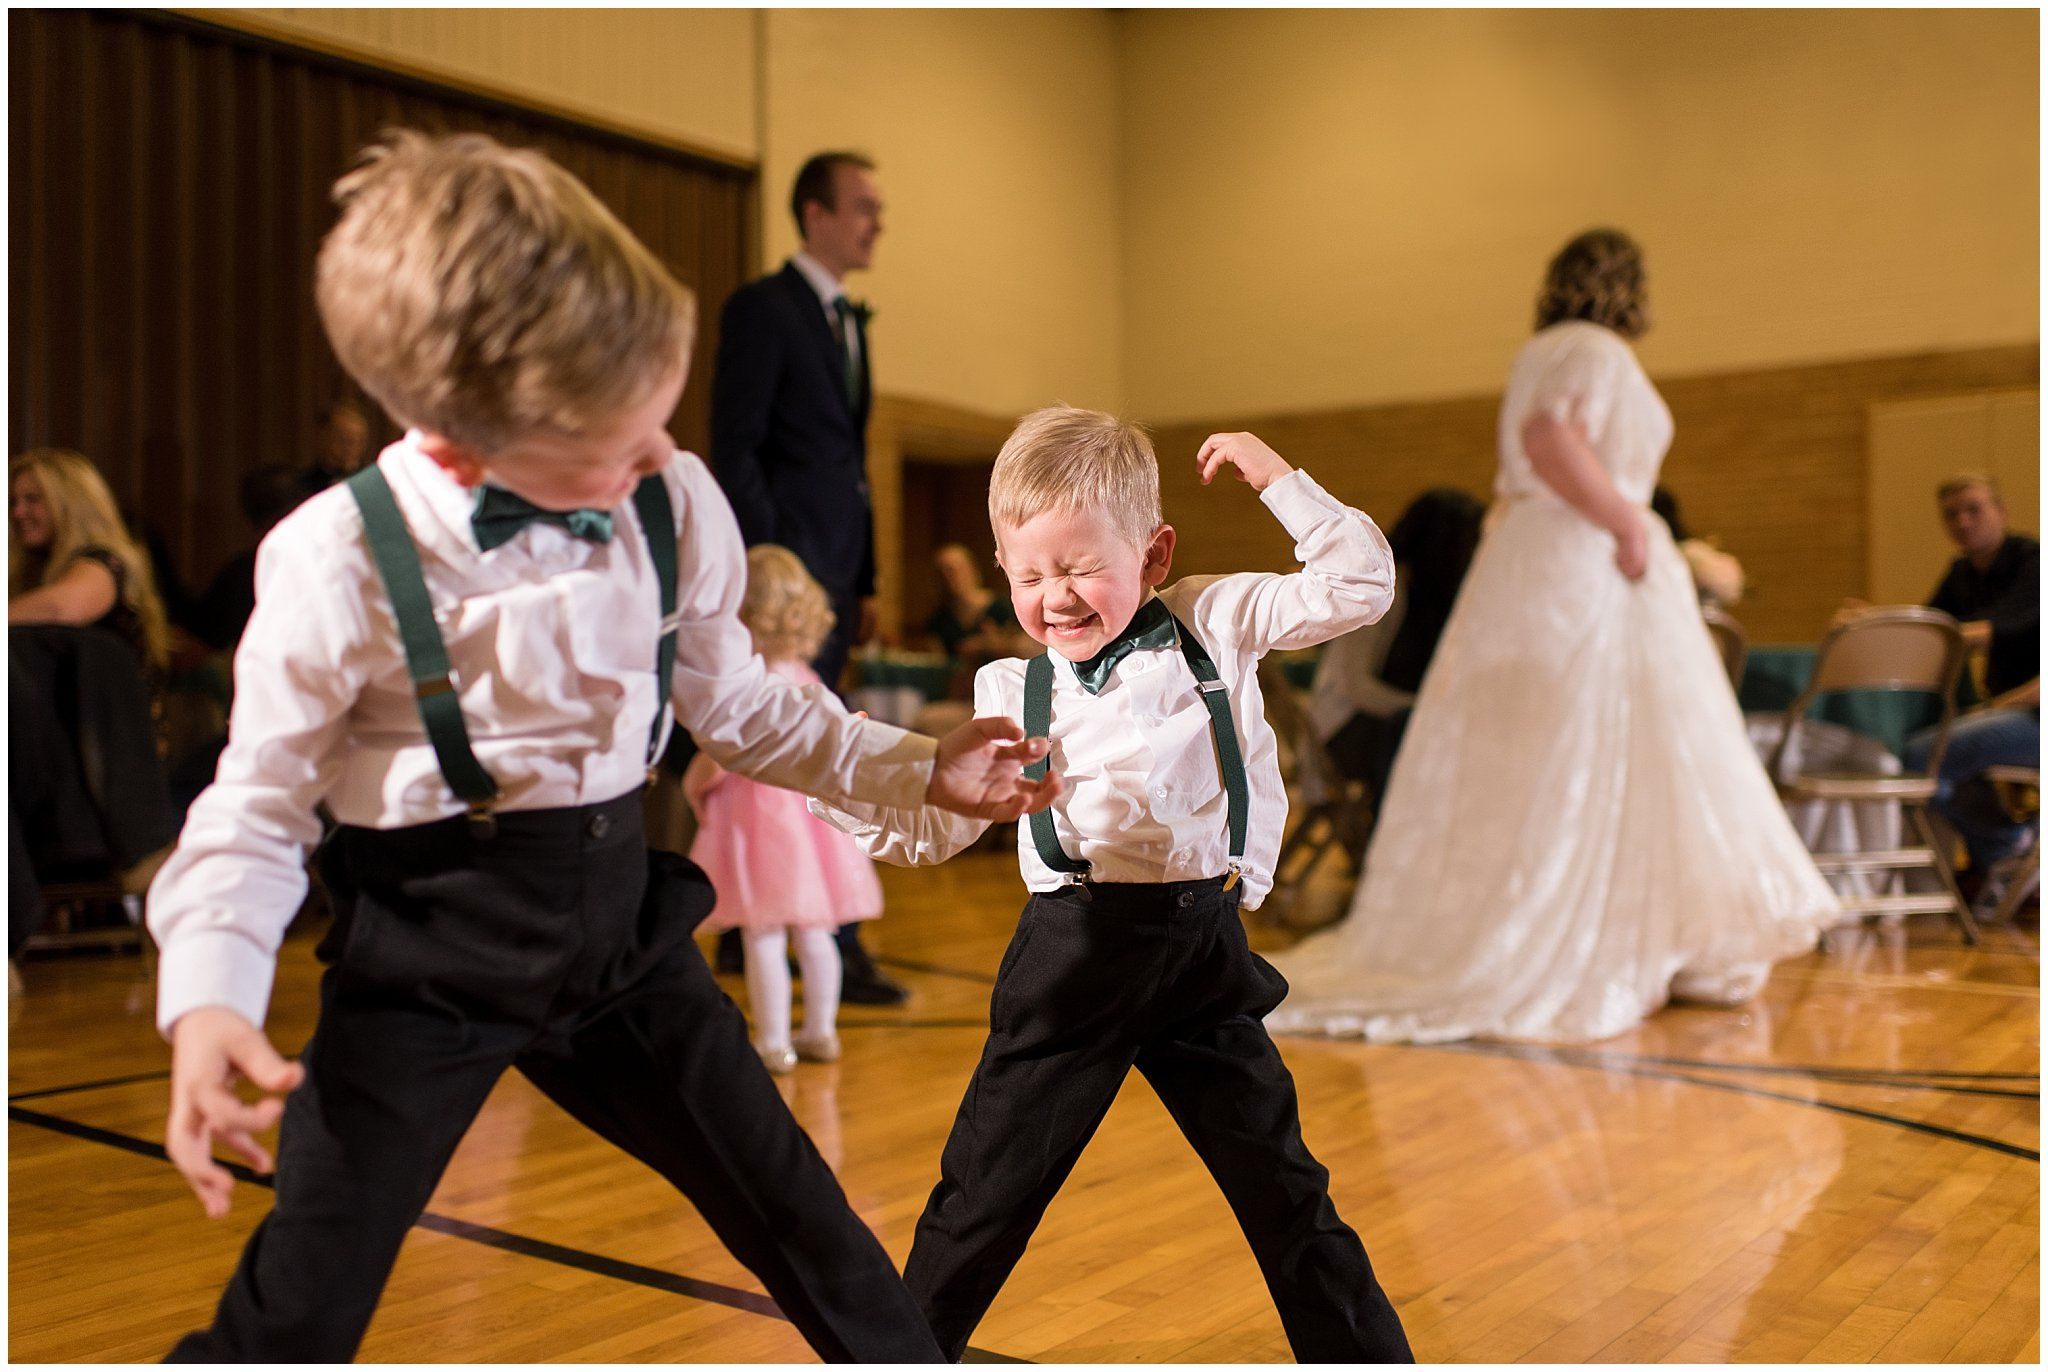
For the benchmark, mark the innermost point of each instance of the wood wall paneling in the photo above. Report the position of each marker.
(168, 189)
(1772, 462)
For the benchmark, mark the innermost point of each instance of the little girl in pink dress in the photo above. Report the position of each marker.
(784, 878)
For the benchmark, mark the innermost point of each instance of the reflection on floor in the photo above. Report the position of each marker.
(1847, 1169)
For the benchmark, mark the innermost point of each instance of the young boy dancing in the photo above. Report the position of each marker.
(465, 653)
(1130, 952)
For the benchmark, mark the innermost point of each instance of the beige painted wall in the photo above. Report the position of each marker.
(687, 75)
(1189, 214)
(997, 278)
(1335, 208)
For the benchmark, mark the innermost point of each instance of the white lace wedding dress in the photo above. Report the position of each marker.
(1577, 828)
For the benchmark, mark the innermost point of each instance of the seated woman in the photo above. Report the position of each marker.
(1366, 680)
(73, 561)
(972, 621)
(87, 638)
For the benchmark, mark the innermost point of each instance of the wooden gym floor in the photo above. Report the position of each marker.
(1847, 1170)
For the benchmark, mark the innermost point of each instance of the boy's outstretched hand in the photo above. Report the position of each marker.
(1255, 462)
(211, 1049)
(980, 772)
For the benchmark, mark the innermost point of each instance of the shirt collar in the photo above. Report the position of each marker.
(436, 506)
(820, 280)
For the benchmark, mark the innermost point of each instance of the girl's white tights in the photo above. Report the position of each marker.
(817, 957)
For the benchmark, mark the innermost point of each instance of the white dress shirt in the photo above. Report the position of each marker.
(829, 289)
(552, 641)
(1144, 801)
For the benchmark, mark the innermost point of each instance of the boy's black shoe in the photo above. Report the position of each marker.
(731, 957)
(861, 982)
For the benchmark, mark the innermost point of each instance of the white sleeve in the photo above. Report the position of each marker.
(926, 835)
(1346, 578)
(219, 907)
(1579, 383)
(747, 718)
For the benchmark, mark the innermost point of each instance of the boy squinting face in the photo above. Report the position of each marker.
(1075, 580)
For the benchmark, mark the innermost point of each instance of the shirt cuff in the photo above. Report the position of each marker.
(1299, 503)
(896, 769)
(213, 967)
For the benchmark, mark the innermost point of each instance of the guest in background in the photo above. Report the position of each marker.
(73, 561)
(790, 397)
(972, 623)
(1366, 680)
(85, 783)
(1994, 589)
(1717, 575)
(268, 494)
(341, 445)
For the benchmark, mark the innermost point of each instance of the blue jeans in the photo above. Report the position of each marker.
(1994, 738)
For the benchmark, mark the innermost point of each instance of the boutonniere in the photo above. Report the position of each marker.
(861, 310)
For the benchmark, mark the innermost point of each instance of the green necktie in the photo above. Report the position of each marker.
(1150, 627)
(848, 359)
(499, 515)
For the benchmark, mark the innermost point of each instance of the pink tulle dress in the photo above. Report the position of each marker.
(774, 864)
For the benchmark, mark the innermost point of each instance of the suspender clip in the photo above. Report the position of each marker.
(1236, 871)
(1209, 687)
(483, 821)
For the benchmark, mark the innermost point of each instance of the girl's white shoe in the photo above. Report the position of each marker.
(780, 1061)
(822, 1048)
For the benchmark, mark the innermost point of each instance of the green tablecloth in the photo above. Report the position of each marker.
(926, 673)
(1776, 673)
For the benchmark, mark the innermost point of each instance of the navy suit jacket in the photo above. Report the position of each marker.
(789, 450)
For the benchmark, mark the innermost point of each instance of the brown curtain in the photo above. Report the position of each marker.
(168, 188)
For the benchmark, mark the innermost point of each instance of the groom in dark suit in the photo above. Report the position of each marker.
(790, 396)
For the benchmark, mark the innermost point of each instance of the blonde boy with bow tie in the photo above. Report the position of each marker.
(1130, 952)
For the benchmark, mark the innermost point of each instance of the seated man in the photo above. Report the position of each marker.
(1994, 589)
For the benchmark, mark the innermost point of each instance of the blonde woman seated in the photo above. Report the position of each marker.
(72, 559)
(86, 787)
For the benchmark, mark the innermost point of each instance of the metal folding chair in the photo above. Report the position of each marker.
(1730, 640)
(1335, 811)
(1896, 648)
(2020, 789)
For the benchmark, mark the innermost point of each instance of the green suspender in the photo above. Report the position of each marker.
(1038, 724)
(650, 498)
(426, 656)
(1222, 728)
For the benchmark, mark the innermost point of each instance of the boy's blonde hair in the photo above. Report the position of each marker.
(785, 607)
(1068, 459)
(83, 515)
(483, 293)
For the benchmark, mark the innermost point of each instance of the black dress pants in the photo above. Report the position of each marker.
(545, 948)
(1099, 979)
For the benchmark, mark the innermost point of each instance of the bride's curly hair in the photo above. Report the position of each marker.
(1598, 277)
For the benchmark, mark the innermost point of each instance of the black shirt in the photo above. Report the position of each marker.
(2008, 595)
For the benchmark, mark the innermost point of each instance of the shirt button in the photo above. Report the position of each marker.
(1159, 793)
(600, 825)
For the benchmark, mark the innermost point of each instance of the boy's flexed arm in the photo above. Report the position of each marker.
(1347, 573)
(801, 737)
(219, 907)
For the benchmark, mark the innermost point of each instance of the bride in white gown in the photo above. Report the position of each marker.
(1577, 828)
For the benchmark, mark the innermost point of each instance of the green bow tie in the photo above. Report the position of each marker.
(1151, 627)
(499, 515)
